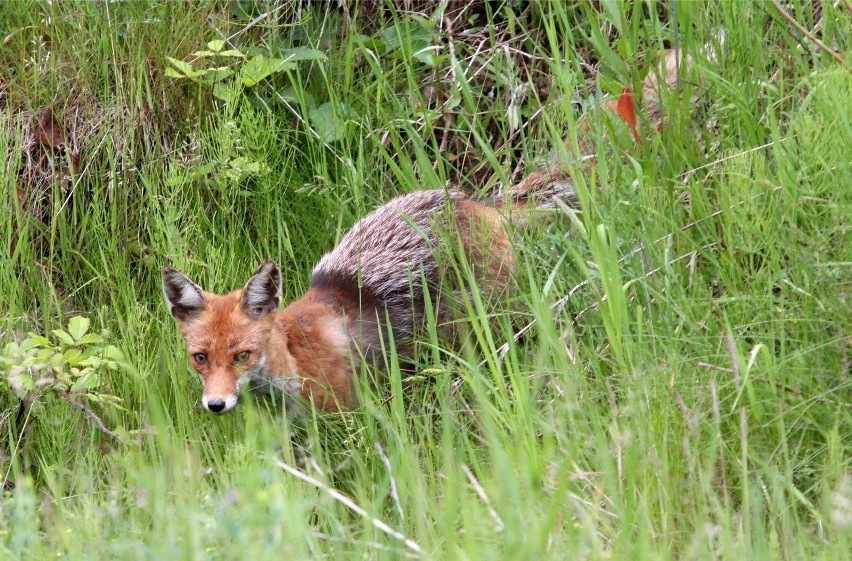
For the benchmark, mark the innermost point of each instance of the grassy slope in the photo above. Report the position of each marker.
(700, 411)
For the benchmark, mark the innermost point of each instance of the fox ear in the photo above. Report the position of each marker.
(184, 297)
(262, 293)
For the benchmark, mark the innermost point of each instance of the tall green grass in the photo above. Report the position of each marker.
(689, 400)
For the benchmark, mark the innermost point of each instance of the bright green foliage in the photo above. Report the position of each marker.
(76, 363)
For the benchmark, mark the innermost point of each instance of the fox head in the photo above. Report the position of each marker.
(226, 335)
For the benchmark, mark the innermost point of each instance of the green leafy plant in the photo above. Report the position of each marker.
(75, 361)
(230, 71)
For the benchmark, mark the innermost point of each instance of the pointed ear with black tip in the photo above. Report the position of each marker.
(262, 293)
(184, 297)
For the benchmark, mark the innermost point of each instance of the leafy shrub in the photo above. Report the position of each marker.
(74, 362)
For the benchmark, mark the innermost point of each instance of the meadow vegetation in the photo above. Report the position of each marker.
(683, 388)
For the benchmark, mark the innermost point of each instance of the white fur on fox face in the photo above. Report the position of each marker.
(230, 402)
(255, 373)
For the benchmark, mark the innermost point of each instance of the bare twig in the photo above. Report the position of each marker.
(350, 504)
(783, 13)
(726, 158)
(91, 414)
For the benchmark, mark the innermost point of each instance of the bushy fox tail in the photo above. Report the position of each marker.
(540, 189)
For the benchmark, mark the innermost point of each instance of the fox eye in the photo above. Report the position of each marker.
(241, 356)
(200, 358)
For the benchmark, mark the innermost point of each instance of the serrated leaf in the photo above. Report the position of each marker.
(91, 362)
(56, 360)
(63, 336)
(302, 53)
(184, 67)
(78, 326)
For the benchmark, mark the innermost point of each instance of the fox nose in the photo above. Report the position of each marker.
(216, 405)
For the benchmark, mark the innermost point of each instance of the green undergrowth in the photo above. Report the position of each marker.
(682, 393)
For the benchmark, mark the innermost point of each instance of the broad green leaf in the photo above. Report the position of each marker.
(204, 53)
(409, 32)
(232, 53)
(57, 360)
(28, 344)
(292, 95)
(91, 362)
(87, 381)
(90, 339)
(184, 67)
(172, 73)
(302, 53)
(24, 380)
(224, 92)
(111, 352)
(78, 326)
(220, 73)
(375, 44)
(63, 336)
(427, 54)
(72, 356)
(216, 45)
(40, 339)
(260, 67)
(330, 122)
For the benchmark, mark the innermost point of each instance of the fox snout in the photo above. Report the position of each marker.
(218, 404)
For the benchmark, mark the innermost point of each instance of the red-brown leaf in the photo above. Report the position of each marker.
(49, 130)
(627, 111)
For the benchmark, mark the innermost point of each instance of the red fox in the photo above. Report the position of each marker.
(372, 282)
